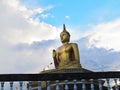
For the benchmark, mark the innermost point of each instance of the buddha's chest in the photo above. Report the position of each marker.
(65, 49)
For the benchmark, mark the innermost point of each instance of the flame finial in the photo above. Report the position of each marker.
(64, 28)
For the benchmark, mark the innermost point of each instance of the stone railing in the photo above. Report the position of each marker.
(61, 81)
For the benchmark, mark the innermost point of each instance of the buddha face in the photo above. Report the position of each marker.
(65, 37)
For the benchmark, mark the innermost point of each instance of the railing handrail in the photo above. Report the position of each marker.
(59, 76)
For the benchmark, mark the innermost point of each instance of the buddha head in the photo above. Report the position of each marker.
(64, 35)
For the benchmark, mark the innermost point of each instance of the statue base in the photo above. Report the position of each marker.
(62, 85)
(73, 70)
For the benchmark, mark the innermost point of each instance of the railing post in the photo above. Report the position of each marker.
(116, 86)
(21, 85)
(57, 85)
(2, 85)
(108, 84)
(11, 85)
(39, 85)
(83, 84)
(30, 85)
(66, 85)
(100, 84)
(92, 84)
(75, 85)
(48, 85)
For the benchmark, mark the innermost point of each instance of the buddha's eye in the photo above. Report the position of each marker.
(62, 35)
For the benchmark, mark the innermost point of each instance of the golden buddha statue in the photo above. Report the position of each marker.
(67, 55)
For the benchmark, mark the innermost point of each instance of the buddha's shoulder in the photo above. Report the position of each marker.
(70, 44)
(59, 48)
(73, 44)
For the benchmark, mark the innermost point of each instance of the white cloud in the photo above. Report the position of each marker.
(13, 3)
(99, 48)
(17, 24)
(45, 15)
(67, 17)
(105, 35)
(98, 59)
(18, 27)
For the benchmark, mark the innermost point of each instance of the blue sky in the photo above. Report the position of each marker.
(29, 31)
(79, 12)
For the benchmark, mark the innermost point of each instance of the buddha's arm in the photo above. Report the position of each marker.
(55, 58)
(76, 52)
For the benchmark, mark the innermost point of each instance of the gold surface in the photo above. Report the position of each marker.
(67, 55)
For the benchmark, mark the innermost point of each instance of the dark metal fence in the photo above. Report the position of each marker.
(62, 81)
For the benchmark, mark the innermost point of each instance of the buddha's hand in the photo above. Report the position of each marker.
(54, 53)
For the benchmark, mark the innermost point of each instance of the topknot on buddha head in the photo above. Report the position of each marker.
(64, 35)
(64, 31)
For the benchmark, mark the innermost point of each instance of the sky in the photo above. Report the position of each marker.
(29, 31)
